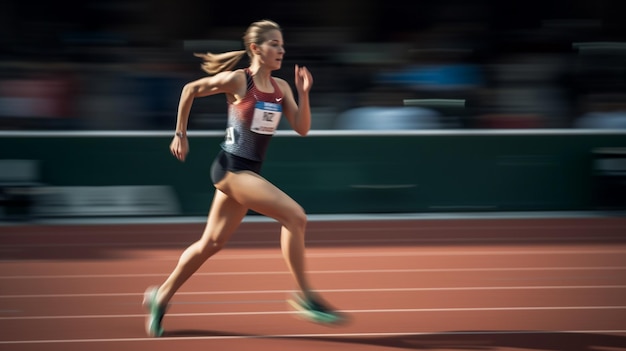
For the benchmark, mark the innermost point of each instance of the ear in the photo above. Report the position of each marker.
(255, 49)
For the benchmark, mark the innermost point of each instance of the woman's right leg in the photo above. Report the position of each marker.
(255, 192)
(261, 196)
(224, 217)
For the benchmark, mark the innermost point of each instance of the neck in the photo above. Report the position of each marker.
(260, 72)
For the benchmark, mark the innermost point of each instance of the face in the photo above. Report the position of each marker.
(272, 50)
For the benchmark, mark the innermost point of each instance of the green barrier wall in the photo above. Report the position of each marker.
(334, 172)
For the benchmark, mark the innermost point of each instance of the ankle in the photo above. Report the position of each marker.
(160, 298)
(309, 295)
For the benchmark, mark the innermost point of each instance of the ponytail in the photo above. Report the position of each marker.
(216, 63)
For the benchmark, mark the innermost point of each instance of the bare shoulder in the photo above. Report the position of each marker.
(284, 86)
(280, 81)
(236, 76)
(230, 82)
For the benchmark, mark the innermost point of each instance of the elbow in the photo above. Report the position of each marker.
(303, 131)
(189, 90)
(301, 124)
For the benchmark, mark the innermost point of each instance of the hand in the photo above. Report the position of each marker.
(180, 147)
(303, 79)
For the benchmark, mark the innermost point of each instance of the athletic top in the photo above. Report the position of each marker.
(253, 121)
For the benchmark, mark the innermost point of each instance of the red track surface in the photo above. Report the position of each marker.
(541, 284)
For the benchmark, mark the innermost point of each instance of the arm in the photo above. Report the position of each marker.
(298, 114)
(229, 83)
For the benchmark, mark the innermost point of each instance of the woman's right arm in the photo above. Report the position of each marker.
(225, 82)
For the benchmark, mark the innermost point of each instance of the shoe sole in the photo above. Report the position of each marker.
(319, 318)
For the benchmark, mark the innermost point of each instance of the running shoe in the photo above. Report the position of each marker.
(314, 310)
(155, 312)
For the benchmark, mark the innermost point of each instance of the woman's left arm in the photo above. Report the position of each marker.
(298, 114)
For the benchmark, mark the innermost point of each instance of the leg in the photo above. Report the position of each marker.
(224, 217)
(256, 193)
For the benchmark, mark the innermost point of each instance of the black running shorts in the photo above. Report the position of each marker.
(225, 161)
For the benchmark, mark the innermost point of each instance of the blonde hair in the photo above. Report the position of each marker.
(256, 33)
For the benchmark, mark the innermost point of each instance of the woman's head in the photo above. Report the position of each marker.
(257, 33)
(264, 44)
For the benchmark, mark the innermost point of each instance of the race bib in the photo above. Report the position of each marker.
(229, 138)
(266, 117)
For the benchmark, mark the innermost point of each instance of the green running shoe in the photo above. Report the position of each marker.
(155, 312)
(313, 310)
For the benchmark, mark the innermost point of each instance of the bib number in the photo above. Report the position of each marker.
(266, 117)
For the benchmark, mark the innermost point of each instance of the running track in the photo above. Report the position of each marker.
(427, 284)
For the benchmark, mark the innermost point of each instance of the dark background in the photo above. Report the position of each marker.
(120, 65)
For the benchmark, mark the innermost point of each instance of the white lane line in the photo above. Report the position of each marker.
(388, 241)
(344, 271)
(309, 336)
(367, 227)
(265, 313)
(431, 254)
(425, 252)
(374, 290)
(240, 244)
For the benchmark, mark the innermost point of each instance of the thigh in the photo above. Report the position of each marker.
(256, 193)
(224, 218)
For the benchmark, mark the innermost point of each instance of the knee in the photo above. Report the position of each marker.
(298, 219)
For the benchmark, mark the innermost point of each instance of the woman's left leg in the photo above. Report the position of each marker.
(224, 217)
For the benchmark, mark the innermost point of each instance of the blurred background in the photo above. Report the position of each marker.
(540, 66)
(120, 65)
